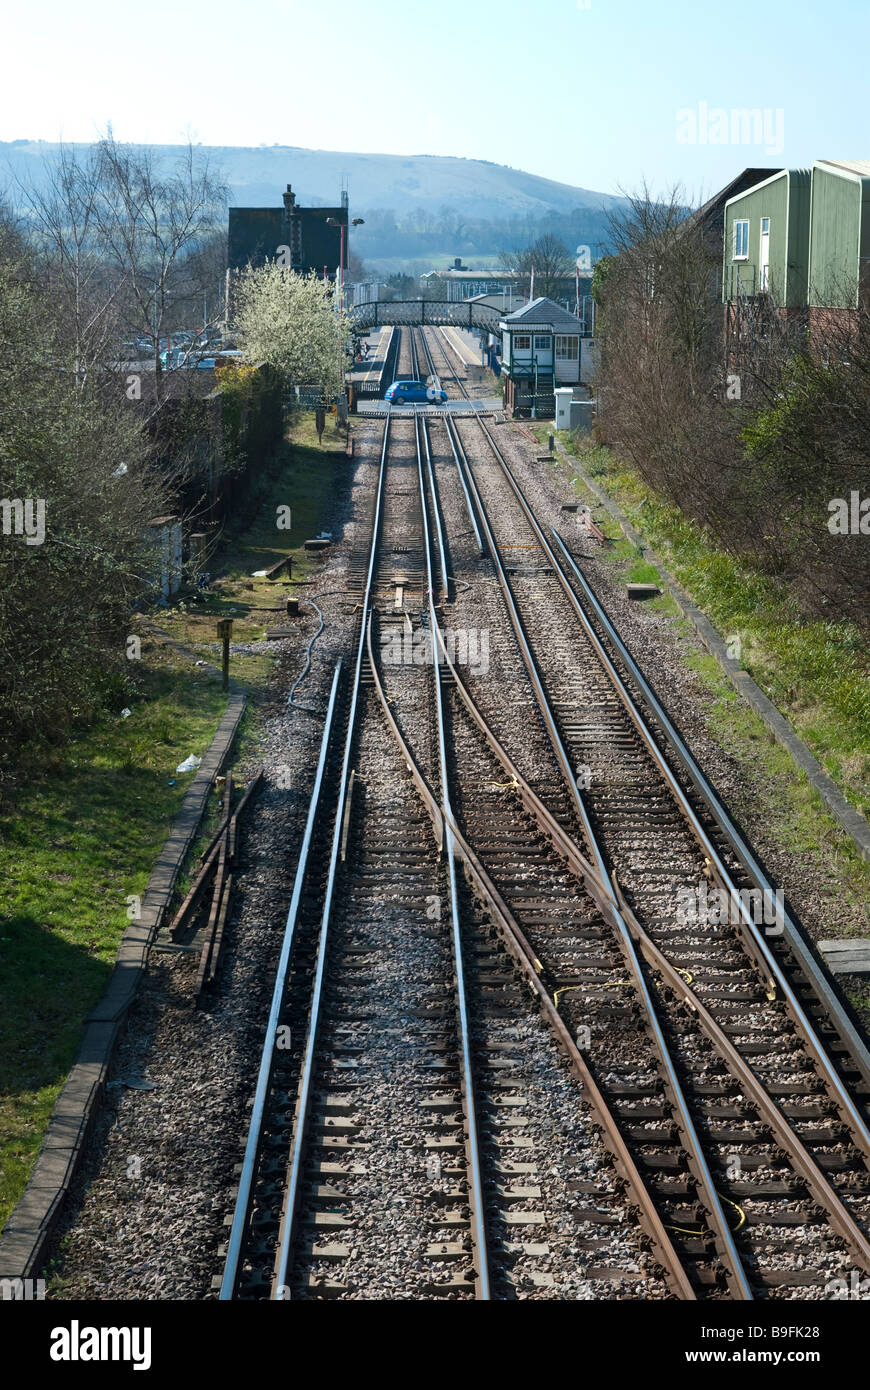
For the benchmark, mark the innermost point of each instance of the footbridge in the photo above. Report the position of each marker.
(463, 313)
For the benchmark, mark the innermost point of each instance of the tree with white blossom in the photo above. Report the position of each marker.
(292, 322)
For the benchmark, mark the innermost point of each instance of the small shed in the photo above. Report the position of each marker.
(540, 351)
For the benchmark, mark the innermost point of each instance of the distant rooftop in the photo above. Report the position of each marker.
(861, 167)
(455, 274)
(543, 313)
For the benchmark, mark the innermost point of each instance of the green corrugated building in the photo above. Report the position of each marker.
(766, 241)
(839, 252)
(802, 238)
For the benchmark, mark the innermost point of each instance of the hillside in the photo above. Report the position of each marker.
(257, 175)
(420, 208)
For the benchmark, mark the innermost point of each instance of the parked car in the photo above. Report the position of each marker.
(173, 357)
(409, 392)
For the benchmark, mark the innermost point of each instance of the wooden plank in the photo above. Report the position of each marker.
(214, 958)
(210, 930)
(848, 955)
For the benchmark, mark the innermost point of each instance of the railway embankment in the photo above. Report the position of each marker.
(97, 812)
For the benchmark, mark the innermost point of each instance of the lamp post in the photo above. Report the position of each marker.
(335, 222)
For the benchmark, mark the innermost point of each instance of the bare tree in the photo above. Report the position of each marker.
(547, 259)
(200, 280)
(150, 219)
(755, 434)
(65, 211)
(125, 247)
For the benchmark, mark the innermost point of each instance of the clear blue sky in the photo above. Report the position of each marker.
(589, 91)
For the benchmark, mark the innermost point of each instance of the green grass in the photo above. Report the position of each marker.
(83, 836)
(795, 815)
(306, 483)
(816, 672)
(91, 817)
(857, 991)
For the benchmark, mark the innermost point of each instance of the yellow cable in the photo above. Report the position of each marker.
(596, 984)
(684, 1230)
(742, 1220)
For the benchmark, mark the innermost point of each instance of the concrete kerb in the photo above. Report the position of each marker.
(847, 817)
(28, 1234)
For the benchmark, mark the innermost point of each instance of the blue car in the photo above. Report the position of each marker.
(411, 392)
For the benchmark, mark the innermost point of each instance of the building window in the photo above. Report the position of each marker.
(567, 348)
(522, 342)
(542, 342)
(741, 240)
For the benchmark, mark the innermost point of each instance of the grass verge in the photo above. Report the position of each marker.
(817, 673)
(82, 838)
(92, 816)
(795, 817)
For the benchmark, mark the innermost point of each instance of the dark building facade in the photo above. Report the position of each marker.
(297, 237)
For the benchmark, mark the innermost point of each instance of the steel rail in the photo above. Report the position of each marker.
(468, 503)
(244, 1197)
(729, 1254)
(476, 1194)
(753, 939)
(516, 943)
(287, 1229)
(783, 1131)
(625, 921)
(439, 529)
(453, 372)
(780, 1125)
(857, 1047)
(598, 889)
(726, 1247)
(545, 710)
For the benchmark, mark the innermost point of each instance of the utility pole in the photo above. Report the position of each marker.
(225, 632)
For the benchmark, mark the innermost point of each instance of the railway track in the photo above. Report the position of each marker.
(781, 1108)
(413, 1134)
(408, 1102)
(362, 1076)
